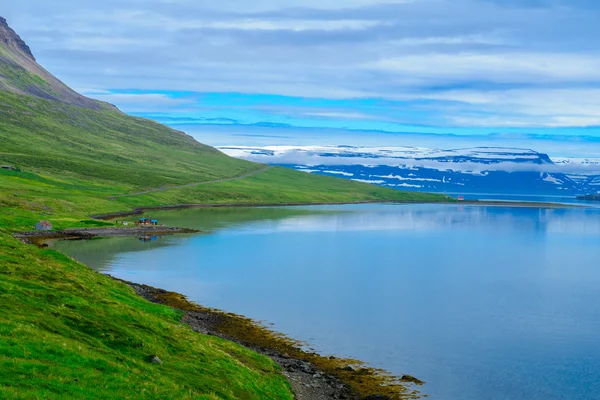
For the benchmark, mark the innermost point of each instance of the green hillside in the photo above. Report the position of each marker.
(68, 332)
(71, 160)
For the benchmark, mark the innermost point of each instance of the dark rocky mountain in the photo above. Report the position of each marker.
(20, 73)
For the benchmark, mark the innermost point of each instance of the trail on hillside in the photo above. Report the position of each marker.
(246, 175)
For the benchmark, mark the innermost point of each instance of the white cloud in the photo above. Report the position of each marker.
(295, 25)
(298, 156)
(147, 102)
(576, 107)
(506, 67)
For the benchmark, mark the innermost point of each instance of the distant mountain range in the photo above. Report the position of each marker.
(477, 170)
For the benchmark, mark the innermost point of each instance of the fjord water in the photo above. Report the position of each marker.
(491, 303)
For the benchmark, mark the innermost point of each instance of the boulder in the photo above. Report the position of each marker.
(155, 360)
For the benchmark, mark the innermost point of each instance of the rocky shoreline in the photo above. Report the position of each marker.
(40, 237)
(311, 376)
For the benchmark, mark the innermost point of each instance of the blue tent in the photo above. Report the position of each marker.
(143, 219)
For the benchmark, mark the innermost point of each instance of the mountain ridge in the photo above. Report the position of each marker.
(12, 39)
(21, 73)
(468, 170)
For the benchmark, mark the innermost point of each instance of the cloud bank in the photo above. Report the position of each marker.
(452, 63)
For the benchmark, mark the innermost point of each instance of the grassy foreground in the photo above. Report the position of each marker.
(69, 332)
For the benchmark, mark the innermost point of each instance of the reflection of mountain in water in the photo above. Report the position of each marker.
(442, 217)
(101, 253)
(209, 219)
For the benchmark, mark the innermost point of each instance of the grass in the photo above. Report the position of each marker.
(20, 79)
(69, 332)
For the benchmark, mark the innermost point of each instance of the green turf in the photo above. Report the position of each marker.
(69, 332)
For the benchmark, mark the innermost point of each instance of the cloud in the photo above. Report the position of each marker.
(478, 63)
(136, 103)
(293, 156)
(508, 67)
(554, 144)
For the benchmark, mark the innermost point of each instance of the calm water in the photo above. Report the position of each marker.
(483, 303)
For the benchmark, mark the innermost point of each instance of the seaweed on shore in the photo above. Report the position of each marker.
(363, 380)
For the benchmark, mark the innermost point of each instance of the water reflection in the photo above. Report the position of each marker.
(388, 217)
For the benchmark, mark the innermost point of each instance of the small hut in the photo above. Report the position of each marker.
(43, 226)
(154, 222)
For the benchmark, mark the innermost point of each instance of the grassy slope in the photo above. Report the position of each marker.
(68, 331)
(105, 145)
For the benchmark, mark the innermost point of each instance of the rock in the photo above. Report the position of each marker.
(300, 366)
(378, 397)
(155, 360)
(411, 379)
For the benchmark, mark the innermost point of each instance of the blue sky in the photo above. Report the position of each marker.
(316, 69)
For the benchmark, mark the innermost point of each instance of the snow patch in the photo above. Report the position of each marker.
(369, 181)
(338, 173)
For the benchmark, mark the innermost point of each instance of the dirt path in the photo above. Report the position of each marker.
(246, 175)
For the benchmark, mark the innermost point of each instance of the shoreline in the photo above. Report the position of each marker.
(312, 376)
(488, 203)
(40, 237)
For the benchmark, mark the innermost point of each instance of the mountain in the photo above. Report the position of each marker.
(20, 73)
(590, 197)
(477, 170)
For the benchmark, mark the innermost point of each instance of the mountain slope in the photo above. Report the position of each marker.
(20, 73)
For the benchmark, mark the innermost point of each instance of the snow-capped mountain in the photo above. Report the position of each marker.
(474, 170)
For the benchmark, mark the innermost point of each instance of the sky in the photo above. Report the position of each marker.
(347, 72)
